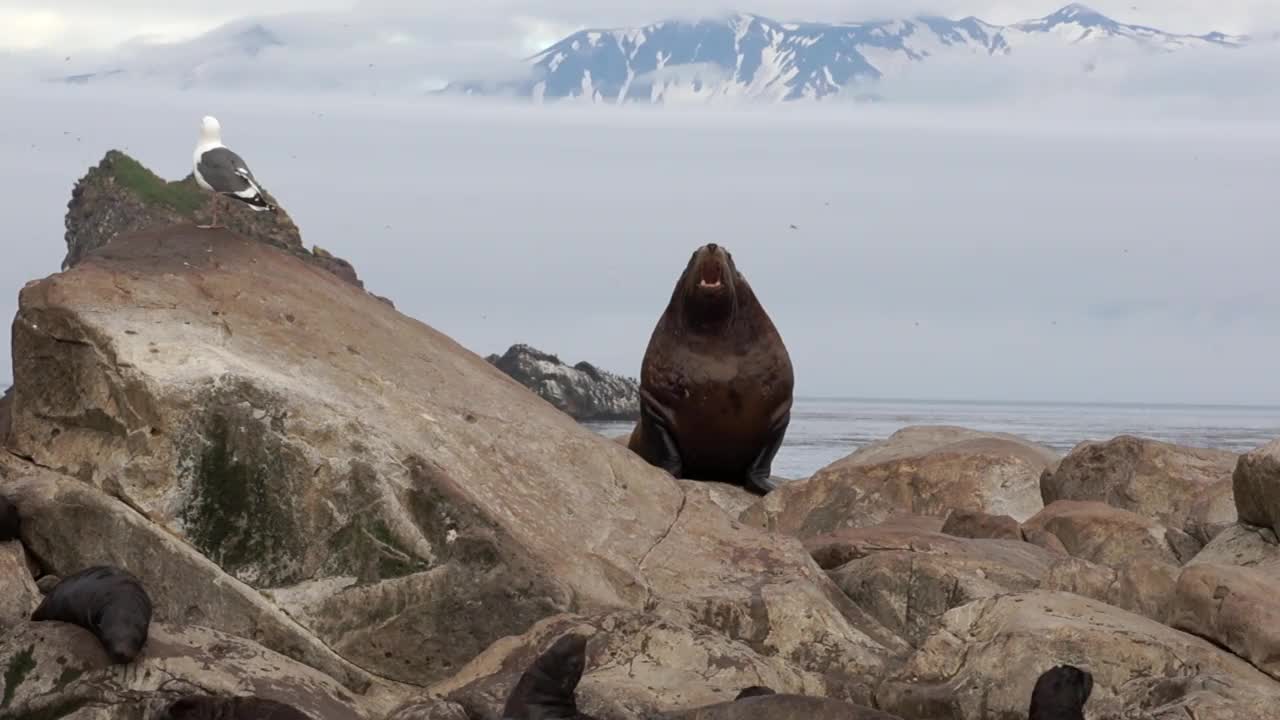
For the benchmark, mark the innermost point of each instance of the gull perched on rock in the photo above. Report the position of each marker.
(223, 172)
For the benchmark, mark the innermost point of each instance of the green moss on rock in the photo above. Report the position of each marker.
(365, 546)
(20, 666)
(183, 196)
(239, 515)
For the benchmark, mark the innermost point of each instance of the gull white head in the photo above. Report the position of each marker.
(210, 129)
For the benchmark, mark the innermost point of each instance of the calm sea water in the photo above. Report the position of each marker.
(825, 430)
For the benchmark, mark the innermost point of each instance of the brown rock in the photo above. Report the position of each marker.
(920, 470)
(1081, 577)
(1243, 546)
(398, 497)
(53, 667)
(641, 663)
(185, 587)
(121, 197)
(1141, 585)
(19, 595)
(6, 407)
(434, 709)
(1236, 608)
(1256, 485)
(1044, 539)
(1146, 587)
(782, 707)
(1103, 534)
(1212, 511)
(985, 659)
(972, 524)
(1154, 479)
(908, 579)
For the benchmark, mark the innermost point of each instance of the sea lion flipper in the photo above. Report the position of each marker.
(657, 425)
(761, 470)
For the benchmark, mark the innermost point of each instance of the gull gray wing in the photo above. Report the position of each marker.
(226, 172)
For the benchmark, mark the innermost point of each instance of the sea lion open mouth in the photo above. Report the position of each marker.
(710, 274)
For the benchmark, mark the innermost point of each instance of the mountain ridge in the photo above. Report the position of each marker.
(754, 56)
(735, 54)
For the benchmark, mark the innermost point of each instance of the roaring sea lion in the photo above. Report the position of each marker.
(548, 689)
(10, 523)
(225, 707)
(1060, 694)
(106, 601)
(716, 382)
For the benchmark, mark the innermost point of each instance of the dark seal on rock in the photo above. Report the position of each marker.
(716, 382)
(214, 707)
(548, 689)
(1060, 694)
(10, 523)
(755, 691)
(106, 601)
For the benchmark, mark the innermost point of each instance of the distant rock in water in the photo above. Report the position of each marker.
(120, 196)
(583, 391)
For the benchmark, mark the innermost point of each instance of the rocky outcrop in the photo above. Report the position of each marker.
(121, 197)
(643, 663)
(986, 657)
(920, 470)
(1244, 546)
(54, 668)
(334, 506)
(1109, 536)
(19, 595)
(582, 391)
(6, 404)
(59, 511)
(1256, 486)
(1141, 585)
(1235, 608)
(972, 524)
(357, 490)
(1176, 486)
(909, 577)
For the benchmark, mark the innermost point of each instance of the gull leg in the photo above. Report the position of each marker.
(213, 223)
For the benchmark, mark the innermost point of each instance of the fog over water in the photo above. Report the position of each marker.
(1074, 248)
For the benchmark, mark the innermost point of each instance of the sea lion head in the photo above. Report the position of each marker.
(124, 622)
(548, 689)
(1060, 693)
(706, 297)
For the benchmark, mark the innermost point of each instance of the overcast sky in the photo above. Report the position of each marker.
(1079, 249)
(524, 25)
(1046, 242)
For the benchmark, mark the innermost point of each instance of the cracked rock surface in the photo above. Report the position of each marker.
(285, 458)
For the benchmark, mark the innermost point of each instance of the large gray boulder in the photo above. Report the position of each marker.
(1170, 484)
(1256, 485)
(984, 660)
(395, 504)
(920, 470)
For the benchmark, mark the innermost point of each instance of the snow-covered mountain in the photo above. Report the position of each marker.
(756, 57)
(739, 56)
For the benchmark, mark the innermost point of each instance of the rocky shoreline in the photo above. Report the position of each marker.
(582, 391)
(337, 507)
